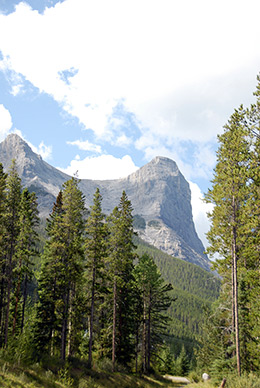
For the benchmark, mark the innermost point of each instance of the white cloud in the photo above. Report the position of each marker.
(5, 122)
(178, 66)
(86, 146)
(123, 141)
(15, 79)
(101, 167)
(199, 211)
(44, 150)
(172, 45)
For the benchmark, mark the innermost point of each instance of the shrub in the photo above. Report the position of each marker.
(245, 381)
(194, 377)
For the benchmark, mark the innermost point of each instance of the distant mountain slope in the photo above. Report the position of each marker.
(159, 194)
(194, 289)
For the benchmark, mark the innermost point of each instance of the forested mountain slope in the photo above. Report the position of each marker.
(194, 289)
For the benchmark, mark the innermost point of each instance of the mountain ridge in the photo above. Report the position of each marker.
(159, 194)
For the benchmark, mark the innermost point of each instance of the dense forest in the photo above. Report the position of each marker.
(89, 295)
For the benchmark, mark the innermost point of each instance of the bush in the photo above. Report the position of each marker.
(194, 377)
(90, 383)
(245, 381)
(105, 365)
(64, 376)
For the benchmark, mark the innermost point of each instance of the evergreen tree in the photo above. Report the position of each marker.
(72, 260)
(58, 317)
(229, 194)
(121, 270)
(47, 325)
(25, 250)
(13, 200)
(96, 254)
(155, 302)
(250, 284)
(3, 236)
(182, 363)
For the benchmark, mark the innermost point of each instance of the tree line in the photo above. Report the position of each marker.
(92, 297)
(232, 333)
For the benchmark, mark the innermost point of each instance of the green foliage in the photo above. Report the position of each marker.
(155, 301)
(13, 201)
(121, 259)
(233, 330)
(245, 381)
(60, 283)
(193, 288)
(96, 252)
(182, 364)
(25, 251)
(165, 361)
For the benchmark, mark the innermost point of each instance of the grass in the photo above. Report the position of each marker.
(77, 375)
(245, 381)
(36, 376)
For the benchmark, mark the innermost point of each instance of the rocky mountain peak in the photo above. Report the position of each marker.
(158, 167)
(14, 144)
(159, 194)
(14, 147)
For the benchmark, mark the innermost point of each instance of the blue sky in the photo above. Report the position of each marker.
(101, 87)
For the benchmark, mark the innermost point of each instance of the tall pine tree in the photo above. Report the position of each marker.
(121, 271)
(155, 302)
(229, 194)
(13, 200)
(3, 236)
(61, 279)
(25, 250)
(95, 254)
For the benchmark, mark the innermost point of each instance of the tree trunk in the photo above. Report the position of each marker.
(144, 347)
(71, 330)
(24, 300)
(64, 326)
(114, 325)
(92, 315)
(223, 383)
(17, 296)
(233, 339)
(9, 286)
(236, 318)
(2, 298)
(234, 254)
(136, 348)
(149, 333)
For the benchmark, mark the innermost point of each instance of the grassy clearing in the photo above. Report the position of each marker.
(15, 376)
(78, 376)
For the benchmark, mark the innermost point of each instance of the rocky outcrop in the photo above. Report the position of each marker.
(159, 194)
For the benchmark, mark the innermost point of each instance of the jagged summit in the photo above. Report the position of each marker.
(159, 165)
(33, 170)
(14, 147)
(159, 194)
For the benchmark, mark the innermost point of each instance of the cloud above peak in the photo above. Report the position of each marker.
(101, 167)
(171, 65)
(5, 122)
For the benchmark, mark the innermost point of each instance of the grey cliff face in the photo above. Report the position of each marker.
(159, 194)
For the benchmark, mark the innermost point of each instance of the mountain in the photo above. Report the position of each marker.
(159, 194)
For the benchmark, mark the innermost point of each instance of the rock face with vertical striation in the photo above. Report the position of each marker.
(159, 194)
